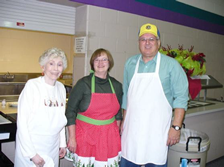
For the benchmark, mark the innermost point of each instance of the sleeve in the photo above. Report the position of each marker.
(74, 100)
(179, 85)
(62, 138)
(25, 103)
(62, 133)
(119, 93)
(125, 88)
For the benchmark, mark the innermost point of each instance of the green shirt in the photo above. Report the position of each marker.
(79, 98)
(172, 76)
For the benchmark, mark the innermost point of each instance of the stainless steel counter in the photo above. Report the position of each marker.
(211, 83)
(214, 106)
(210, 120)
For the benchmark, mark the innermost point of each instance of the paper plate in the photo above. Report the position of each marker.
(68, 155)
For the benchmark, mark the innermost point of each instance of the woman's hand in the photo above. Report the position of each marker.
(62, 152)
(119, 124)
(38, 161)
(72, 145)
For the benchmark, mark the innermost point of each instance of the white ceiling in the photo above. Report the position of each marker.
(213, 6)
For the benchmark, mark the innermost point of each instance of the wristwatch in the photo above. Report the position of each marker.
(176, 127)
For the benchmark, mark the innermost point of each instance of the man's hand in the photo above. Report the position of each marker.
(173, 137)
(122, 122)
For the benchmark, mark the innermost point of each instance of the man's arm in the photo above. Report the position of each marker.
(122, 123)
(174, 135)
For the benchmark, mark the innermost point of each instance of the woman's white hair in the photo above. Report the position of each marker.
(51, 54)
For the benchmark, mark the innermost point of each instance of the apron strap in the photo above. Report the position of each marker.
(111, 85)
(93, 85)
(158, 63)
(95, 121)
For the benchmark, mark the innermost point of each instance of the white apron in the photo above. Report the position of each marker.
(147, 121)
(44, 130)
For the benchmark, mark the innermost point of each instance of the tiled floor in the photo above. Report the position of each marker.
(216, 163)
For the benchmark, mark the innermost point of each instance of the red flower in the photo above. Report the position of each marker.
(200, 58)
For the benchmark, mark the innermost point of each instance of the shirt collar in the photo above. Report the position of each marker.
(153, 60)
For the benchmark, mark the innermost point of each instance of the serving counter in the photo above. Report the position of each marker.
(7, 134)
(210, 120)
(207, 117)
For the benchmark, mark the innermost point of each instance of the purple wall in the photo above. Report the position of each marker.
(132, 6)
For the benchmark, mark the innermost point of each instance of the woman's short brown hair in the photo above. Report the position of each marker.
(98, 53)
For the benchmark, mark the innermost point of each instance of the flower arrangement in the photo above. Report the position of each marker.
(192, 63)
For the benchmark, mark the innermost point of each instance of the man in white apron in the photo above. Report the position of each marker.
(153, 85)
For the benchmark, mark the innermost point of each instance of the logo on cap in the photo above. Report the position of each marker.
(148, 27)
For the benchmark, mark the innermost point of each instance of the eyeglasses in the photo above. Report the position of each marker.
(148, 39)
(101, 60)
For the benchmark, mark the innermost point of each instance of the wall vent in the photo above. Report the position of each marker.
(38, 16)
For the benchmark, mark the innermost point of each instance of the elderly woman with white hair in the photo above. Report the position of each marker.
(40, 138)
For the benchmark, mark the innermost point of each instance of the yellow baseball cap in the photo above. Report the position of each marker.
(149, 28)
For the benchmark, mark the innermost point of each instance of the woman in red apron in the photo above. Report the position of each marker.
(92, 110)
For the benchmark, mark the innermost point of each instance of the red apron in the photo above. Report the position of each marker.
(98, 144)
